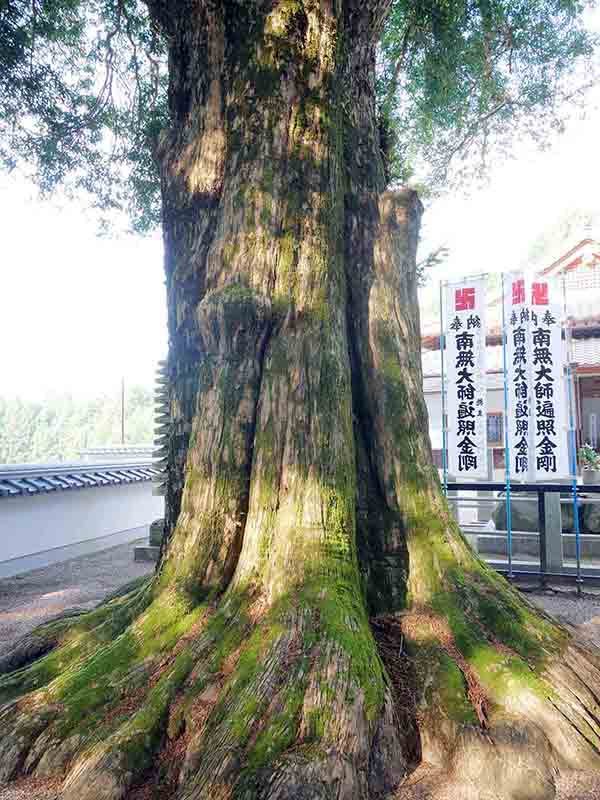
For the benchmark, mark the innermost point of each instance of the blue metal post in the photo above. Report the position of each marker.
(506, 439)
(573, 443)
(443, 377)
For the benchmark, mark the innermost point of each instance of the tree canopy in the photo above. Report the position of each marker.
(462, 80)
(84, 89)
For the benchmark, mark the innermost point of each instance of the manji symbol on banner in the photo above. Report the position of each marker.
(467, 418)
(536, 388)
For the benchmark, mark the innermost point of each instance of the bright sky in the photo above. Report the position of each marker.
(493, 229)
(78, 312)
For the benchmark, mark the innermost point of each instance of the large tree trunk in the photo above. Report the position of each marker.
(317, 624)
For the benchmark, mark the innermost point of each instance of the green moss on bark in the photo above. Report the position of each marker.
(281, 729)
(74, 638)
(94, 684)
(442, 684)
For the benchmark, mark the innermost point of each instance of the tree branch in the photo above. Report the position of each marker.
(399, 65)
(472, 131)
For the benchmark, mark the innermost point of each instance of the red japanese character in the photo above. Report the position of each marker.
(465, 299)
(518, 292)
(539, 294)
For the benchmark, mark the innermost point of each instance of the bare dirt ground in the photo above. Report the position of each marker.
(428, 784)
(28, 600)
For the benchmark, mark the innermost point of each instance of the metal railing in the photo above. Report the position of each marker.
(552, 540)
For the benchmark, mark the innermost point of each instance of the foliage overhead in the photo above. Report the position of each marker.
(462, 80)
(83, 99)
(83, 89)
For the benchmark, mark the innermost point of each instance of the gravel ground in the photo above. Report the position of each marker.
(32, 598)
(29, 599)
(582, 611)
(564, 604)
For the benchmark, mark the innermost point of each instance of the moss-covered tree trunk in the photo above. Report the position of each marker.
(317, 624)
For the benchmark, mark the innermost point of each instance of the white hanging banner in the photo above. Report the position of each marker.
(465, 355)
(517, 315)
(549, 411)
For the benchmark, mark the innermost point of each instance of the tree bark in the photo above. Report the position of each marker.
(317, 624)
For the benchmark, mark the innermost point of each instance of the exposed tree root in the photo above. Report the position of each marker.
(77, 632)
(259, 701)
(303, 699)
(502, 719)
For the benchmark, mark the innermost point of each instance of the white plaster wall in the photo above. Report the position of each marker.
(41, 522)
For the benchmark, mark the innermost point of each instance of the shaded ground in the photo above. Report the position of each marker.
(32, 598)
(426, 784)
(28, 600)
